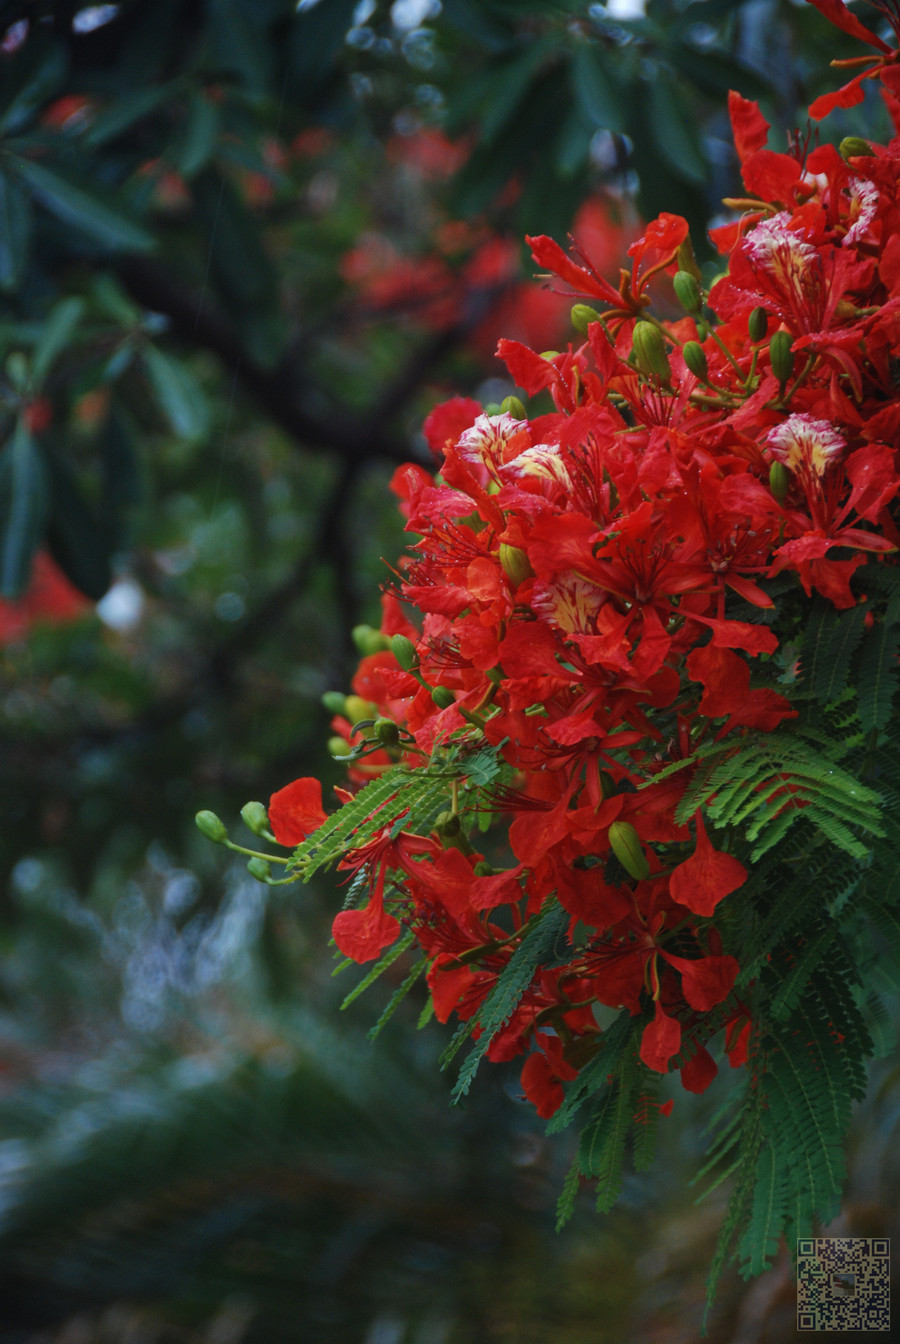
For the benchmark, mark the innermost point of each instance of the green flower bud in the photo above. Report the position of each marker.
(582, 315)
(513, 406)
(779, 481)
(781, 355)
(443, 697)
(356, 709)
(255, 818)
(758, 324)
(447, 823)
(515, 563)
(335, 702)
(626, 845)
(483, 869)
(259, 869)
(687, 292)
(339, 746)
(208, 824)
(404, 650)
(650, 351)
(695, 358)
(369, 640)
(854, 147)
(387, 732)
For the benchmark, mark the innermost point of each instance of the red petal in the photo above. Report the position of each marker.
(699, 1071)
(704, 879)
(660, 1041)
(527, 370)
(748, 125)
(838, 14)
(362, 934)
(548, 253)
(296, 811)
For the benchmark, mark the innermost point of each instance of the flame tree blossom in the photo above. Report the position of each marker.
(603, 590)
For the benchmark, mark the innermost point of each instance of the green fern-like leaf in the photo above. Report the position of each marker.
(388, 959)
(537, 946)
(618, 1040)
(601, 1151)
(759, 1244)
(829, 642)
(878, 673)
(417, 794)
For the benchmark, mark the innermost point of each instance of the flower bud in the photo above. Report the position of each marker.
(687, 292)
(515, 563)
(626, 845)
(447, 823)
(695, 358)
(208, 824)
(259, 869)
(781, 355)
(404, 650)
(650, 351)
(369, 640)
(443, 697)
(758, 324)
(854, 147)
(356, 709)
(338, 746)
(513, 406)
(387, 732)
(582, 315)
(483, 869)
(779, 481)
(335, 702)
(255, 818)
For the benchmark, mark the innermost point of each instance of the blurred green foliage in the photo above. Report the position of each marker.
(245, 245)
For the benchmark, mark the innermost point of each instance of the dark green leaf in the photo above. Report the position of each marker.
(595, 90)
(79, 540)
(178, 393)
(23, 508)
(97, 217)
(122, 115)
(198, 140)
(673, 129)
(238, 46)
(56, 333)
(33, 77)
(316, 40)
(15, 231)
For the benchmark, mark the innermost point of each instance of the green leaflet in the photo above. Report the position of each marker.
(601, 1151)
(878, 676)
(793, 979)
(809, 1107)
(828, 646)
(759, 1244)
(616, 1042)
(397, 998)
(381, 965)
(741, 789)
(417, 793)
(535, 949)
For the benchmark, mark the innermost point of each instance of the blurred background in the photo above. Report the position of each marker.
(245, 246)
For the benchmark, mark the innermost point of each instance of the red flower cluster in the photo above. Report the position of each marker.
(576, 577)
